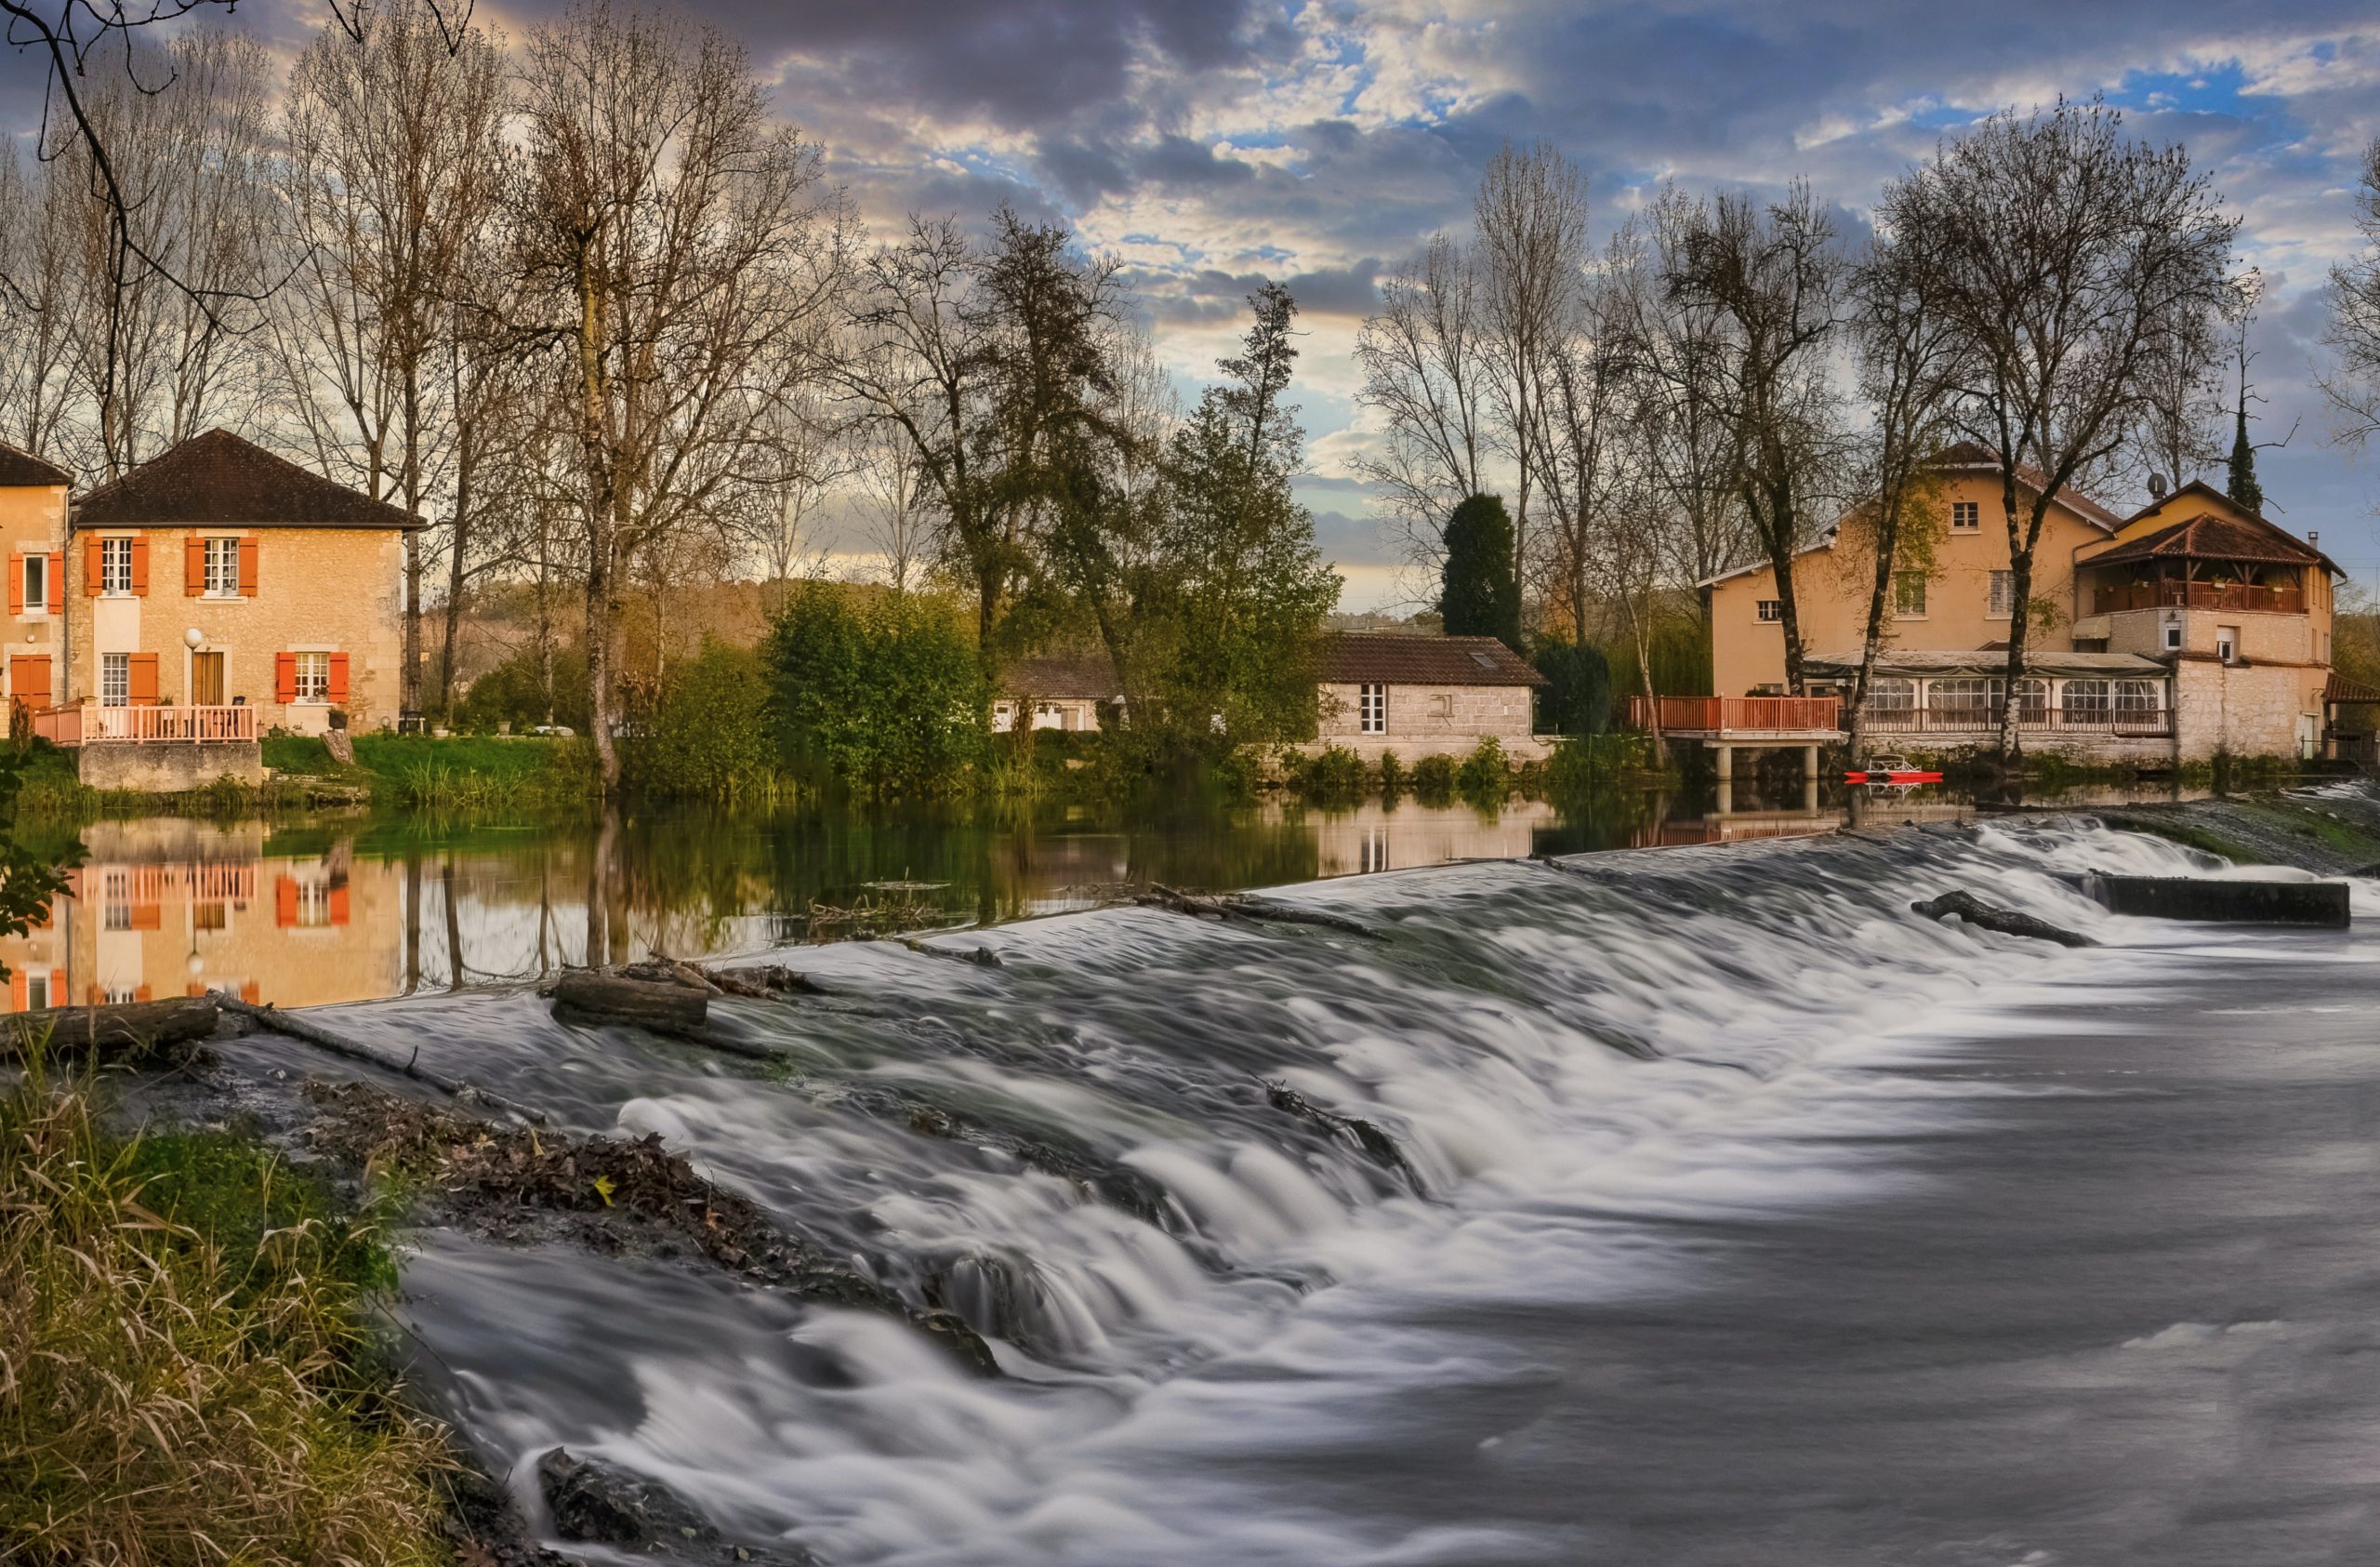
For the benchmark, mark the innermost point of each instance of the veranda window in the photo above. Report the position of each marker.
(1967, 698)
(2136, 696)
(2033, 701)
(2087, 698)
(1892, 694)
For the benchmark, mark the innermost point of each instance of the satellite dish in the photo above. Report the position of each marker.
(2157, 486)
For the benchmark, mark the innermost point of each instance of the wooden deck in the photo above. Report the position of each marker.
(1749, 721)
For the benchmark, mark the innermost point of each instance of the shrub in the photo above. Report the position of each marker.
(190, 1371)
(1485, 776)
(1582, 764)
(514, 691)
(1579, 702)
(1392, 774)
(881, 693)
(1333, 775)
(1434, 780)
(707, 735)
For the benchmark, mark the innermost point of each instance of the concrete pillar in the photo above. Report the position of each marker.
(1727, 761)
(1809, 762)
(1810, 794)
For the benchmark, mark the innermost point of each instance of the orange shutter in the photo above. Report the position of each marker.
(247, 569)
(252, 992)
(16, 585)
(146, 916)
(29, 680)
(194, 988)
(194, 567)
(338, 904)
(91, 567)
(285, 677)
(19, 992)
(142, 994)
(56, 581)
(139, 567)
(58, 987)
(285, 901)
(142, 669)
(338, 677)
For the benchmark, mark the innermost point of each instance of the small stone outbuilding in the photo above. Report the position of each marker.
(1427, 695)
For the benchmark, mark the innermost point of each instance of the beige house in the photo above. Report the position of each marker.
(2188, 629)
(1070, 693)
(1427, 695)
(163, 622)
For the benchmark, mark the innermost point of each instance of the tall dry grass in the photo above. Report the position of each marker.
(185, 1359)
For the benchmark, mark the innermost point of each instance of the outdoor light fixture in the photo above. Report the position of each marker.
(195, 637)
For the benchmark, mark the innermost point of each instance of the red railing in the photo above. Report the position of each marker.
(1726, 714)
(2111, 598)
(83, 724)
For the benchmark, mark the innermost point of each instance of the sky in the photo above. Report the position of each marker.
(1208, 145)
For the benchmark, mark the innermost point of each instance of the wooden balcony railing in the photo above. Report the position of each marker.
(1977, 718)
(1795, 715)
(2111, 598)
(83, 724)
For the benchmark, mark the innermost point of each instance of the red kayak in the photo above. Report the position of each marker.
(1891, 770)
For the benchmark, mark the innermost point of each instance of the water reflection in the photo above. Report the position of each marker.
(361, 909)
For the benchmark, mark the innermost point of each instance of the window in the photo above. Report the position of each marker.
(2172, 636)
(1892, 694)
(2033, 701)
(37, 584)
(1966, 516)
(1908, 594)
(1771, 609)
(37, 992)
(115, 680)
(115, 566)
(2087, 698)
(2003, 595)
(2136, 696)
(1968, 697)
(222, 569)
(2226, 642)
(1372, 709)
(1372, 850)
(313, 677)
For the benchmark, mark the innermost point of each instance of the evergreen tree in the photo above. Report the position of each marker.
(2242, 486)
(1481, 595)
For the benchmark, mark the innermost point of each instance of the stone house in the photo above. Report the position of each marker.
(1073, 693)
(2189, 627)
(1426, 696)
(212, 594)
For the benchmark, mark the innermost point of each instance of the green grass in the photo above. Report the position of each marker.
(191, 1370)
(449, 773)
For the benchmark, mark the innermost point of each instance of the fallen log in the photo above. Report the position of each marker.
(2222, 900)
(131, 1032)
(309, 1032)
(2007, 922)
(1254, 910)
(589, 996)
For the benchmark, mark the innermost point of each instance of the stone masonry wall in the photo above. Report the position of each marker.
(1433, 721)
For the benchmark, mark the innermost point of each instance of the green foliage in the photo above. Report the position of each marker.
(515, 692)
(1579, 702)
(1433, 780)
(1590, 764)
(1333, 775)
(2241, 483)
(28, 879)
(708, 736)
(878, 693)
(48, 789)
(478, 773)
(1480, 591)
(306, 755)
(1392, 774)
(190, 1362)
(1484, 777)
(1679, 652)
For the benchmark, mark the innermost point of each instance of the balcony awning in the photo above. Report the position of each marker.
(1951, 663)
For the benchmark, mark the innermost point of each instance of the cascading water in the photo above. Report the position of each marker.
(1231, 1334)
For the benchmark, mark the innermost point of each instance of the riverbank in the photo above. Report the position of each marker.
(943, 1129)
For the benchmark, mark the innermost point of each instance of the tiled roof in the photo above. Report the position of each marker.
(1387, 658)
(2212, 536)
(2342, 689)
(23, 467)
(1062, 677)
(1973, 454)
(219, 480)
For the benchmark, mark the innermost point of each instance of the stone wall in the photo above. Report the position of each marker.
(2247, 710)
(169, 766)
(1433, 721)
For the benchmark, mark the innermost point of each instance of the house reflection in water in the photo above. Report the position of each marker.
(168, 907)
(1373, 837)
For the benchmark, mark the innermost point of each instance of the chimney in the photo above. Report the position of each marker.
(2314, 540)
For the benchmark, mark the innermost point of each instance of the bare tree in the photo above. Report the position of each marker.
(2352, 379)
(813, 454)
(2072, 260)
(393, 167)
(894, 498)
(1424, 359)
(674, 240)
(42, 298)
(1531, 244)
(1581, 448)
(1766, 286)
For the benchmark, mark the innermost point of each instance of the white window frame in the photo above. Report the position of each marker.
(36, 603)
(2095, 697)
(115, 568)
(1902, 582)
(2227, 644)
(1888, 692)
(222, 567)
(1966, 516)
(2172, 636)
(1768, 611)
(2002, 603)
(115, 680)
(313, 671)
(2032, 699)
(1371, 708)
(2140, 695)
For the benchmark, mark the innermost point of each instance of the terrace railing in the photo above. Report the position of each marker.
(1971, 718)
(1722, 715)
(2111, 598)
(83, 724)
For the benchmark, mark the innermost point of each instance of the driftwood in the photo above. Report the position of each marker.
(2008, 921)
(982, 957)
(132, 1031)
(664, 1006)
(323, 1039)
(1243, 907)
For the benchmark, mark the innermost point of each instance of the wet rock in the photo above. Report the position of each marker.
(1118, 1185)
(484, 1524)
(2007, 922)
(1377, 1145)
(595, 1502)
(2225, 900)
(609, 1195)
